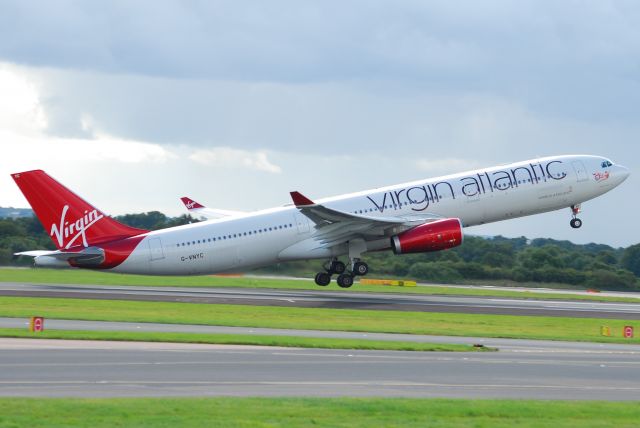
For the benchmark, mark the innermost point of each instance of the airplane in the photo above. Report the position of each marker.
(421, 216)
(198, 209)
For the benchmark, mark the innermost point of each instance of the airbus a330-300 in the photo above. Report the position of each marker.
(422, 216)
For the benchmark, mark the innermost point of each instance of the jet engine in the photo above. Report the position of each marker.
(434, 236)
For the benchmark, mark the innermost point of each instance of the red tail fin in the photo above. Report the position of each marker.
(190, 203)
(69, 220)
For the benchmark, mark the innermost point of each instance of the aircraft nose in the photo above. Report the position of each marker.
(623, 172)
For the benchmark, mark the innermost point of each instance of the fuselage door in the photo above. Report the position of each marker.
(155, 249)
(581, 171)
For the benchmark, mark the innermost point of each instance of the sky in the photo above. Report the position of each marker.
(133, 104)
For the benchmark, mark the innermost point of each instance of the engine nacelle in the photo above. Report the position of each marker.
(435, 236)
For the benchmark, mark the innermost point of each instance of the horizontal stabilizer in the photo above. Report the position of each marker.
(90, 253)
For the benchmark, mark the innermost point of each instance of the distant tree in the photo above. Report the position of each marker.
(631, 259)
(616, 280)
(435, 272)
(607, 257)
(538, 257)
(154, 220)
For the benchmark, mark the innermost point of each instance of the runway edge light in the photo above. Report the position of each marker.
(605, 330)
(36, 324)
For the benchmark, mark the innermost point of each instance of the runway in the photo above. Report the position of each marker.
(325, 298)
(51, 368)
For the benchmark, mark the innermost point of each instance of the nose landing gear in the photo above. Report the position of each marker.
(575, 222)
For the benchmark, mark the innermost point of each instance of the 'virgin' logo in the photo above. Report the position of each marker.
(72, 230)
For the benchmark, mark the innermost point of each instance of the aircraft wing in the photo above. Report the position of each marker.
(336, 227)
(211, 213)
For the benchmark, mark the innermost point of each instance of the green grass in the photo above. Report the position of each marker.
(239, 339)
(453, 324)
(77, 276)
(313, 412)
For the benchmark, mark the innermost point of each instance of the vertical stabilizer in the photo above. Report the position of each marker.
(69, 220)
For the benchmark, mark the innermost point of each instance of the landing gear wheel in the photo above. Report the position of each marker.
(360, 268)
(323, 279)
(334, 266)
(337, 267)
(576, 223)
(345, 280)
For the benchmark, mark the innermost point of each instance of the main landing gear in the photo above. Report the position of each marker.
(575, 222)
(331, 267)
(345, 278)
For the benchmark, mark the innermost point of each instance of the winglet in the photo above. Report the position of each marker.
(300, 200)
(190, 203)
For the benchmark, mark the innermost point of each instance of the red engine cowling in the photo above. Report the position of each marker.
(435, 236)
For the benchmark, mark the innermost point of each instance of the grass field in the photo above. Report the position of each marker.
(77, 276)
(240, 339)
(553, 328)
(310, 412)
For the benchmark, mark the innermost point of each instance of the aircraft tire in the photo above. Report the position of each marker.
(323, 279)
(576, 223)
(360, 268)
(338, 267)
(345, 280)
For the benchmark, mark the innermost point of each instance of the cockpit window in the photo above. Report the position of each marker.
(606, 163)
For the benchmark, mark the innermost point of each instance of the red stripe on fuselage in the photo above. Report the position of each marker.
(115, 252)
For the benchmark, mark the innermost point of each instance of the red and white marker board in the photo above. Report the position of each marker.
(36, 325)
(627, 332)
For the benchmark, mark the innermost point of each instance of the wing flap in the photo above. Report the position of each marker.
(322, 215)
(334, 227)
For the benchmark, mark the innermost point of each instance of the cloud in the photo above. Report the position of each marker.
(446, 165)
(369, 93)
(438, 43)
(20, 106)
(225, 157)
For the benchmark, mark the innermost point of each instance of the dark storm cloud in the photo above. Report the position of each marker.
(464, 42)
(312, 76)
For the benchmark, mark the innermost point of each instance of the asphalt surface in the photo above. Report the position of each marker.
(325, 298)
(51, 368)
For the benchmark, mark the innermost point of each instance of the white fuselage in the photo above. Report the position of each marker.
(285, 234)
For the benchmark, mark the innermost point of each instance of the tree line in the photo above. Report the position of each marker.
(26, 233)
(500, 260)
(495, 259)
